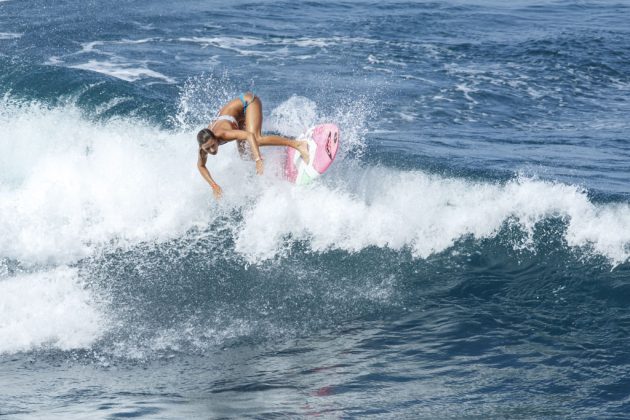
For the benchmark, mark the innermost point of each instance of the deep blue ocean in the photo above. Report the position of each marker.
(467, 256)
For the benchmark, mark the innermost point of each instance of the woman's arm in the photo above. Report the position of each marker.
(205, 173)
(229, 135)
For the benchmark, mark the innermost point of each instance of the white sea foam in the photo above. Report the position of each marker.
(88, 47)
(294, 116)
(49, 309)
(223, 42)
(243, 45)
(426, 214)
(9, 35)
(372, 59)
(110, 64)
(326, 41)
(89, 184)
(232, 42)
(124, 182)
(406, 117)
(122, 70)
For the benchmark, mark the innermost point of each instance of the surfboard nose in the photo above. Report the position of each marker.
(325, 138)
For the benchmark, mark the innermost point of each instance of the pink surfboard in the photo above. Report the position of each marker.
(323, 142)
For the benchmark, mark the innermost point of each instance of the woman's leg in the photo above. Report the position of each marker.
(253, 114)
(253, 124)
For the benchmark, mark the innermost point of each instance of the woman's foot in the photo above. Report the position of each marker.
(302, 147)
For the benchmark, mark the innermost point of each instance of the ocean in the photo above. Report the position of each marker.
(467, 255)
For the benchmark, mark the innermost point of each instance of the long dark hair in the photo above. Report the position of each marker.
(204, 135)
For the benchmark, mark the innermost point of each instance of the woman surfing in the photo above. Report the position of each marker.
(240, 120)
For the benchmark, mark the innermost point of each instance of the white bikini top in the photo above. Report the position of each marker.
(228, 118)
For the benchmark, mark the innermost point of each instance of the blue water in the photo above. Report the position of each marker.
(467, 255)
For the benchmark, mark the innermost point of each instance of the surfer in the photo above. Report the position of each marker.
(240, 120)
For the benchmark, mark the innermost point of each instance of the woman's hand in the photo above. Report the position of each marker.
(260, 166)
(217, 191)
(253, 144)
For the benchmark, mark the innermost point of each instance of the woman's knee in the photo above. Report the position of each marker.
(261, 140)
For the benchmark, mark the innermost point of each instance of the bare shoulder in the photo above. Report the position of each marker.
(202, 157)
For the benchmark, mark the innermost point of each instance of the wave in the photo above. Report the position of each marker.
(426, 214)
(49, 309)
(70, 185)
(82, 199)
(85, 185)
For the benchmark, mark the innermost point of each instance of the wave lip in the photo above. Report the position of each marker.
(427, 214)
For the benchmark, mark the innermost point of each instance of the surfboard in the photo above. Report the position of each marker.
(323, 143)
